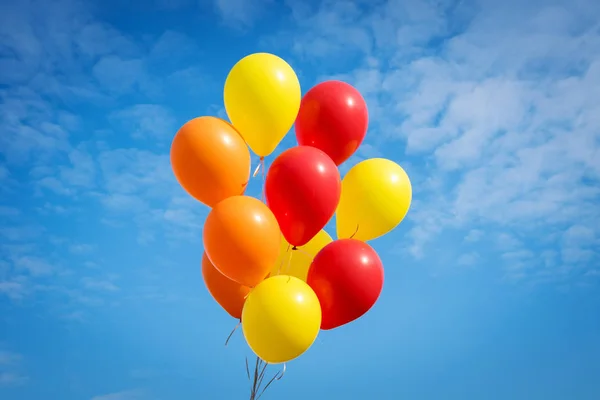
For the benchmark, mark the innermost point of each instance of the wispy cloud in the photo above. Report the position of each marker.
(504, 114)
(8, 358)
(241, 14)
(33, 265)
(509, 139)
(10, 379)
(468, 259)
(9, 212)
(145, 121)
(81, 248)
(99, 284)
(10, 366)
(13, 289)
(490, 106)
(58, 56)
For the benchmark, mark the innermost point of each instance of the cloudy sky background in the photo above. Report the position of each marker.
(492, 282)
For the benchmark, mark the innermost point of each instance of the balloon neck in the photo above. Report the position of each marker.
(294, 248)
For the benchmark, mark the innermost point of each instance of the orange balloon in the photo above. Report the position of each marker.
(210, 160)
(241, 238)
(229, 294)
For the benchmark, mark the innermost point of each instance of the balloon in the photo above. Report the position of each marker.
(262, 97)
(296, 262)
(376, 195)
(281, 319)
(241, 238)
(229, 294)
(302, 188)
(347, 276)
(333, 117)
(210, 160)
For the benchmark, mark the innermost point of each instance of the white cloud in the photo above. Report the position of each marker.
(13, 290)
(35, 266)
(9, 212)
(12, 379)
(98, 39)
(498, 98)
(82, 170)
(469, 259)
(119, 75)
(474, 235)
(82, 248)
(3, 173)
(67, 48)
(99, 284)
(501, 108)
(130, 171)
(505, 241)
(162, 49)
(9, 358)
(141, 183)
(20, 262)
(241, 13)
(10, 369)
(146, 121)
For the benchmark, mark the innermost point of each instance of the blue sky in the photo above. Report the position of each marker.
(492, 281)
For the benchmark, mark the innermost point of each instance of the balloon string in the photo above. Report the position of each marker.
(289, 260)
(232, 332)
(275, 377)
(301, 250)
(257, 169)
(355, 232)
(254, 390)
(264, 178)
(260, 369)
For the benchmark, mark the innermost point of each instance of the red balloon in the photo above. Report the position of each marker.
(347, 276)
(303, 189)
(333, 117)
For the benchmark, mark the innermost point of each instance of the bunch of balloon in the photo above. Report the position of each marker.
(347, 274)
(271, 264)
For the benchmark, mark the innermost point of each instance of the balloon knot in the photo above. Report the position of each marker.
(294, 248)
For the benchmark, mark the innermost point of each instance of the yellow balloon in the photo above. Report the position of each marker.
(262, 98)
(376, 195)
(297, 262)
(281, 318)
